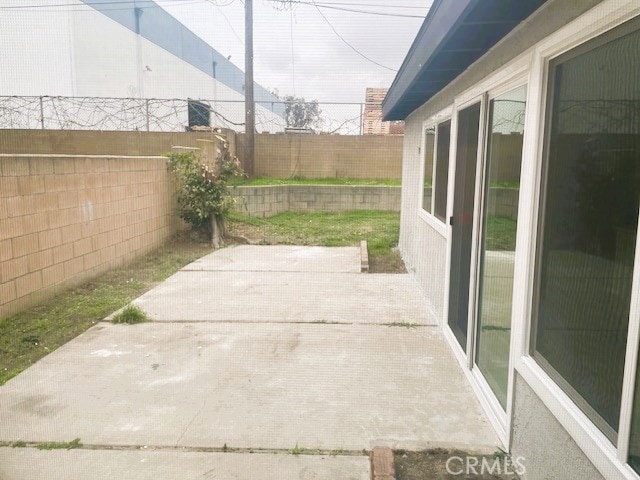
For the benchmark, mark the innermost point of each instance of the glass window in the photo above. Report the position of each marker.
(442, 170)
(427, 182)
(499, 225)
(463, 207)
(589, 220)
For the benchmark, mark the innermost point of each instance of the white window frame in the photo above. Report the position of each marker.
(500, 417)
(609, 459)
(429, 217)
(514, 75)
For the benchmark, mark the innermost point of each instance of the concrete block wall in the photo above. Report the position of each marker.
(265, 201)
(325, 156)
(67, 218)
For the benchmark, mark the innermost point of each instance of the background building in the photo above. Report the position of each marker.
(372, 123)
(89, 49)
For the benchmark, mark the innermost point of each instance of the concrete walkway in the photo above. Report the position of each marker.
(256, 351)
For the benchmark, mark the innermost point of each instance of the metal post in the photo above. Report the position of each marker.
(362, 119)
(146, 107)
(41, 113)
(250, 117)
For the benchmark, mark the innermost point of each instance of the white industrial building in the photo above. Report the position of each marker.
(122, 64)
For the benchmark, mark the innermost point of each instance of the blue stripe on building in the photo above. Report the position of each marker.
(146, 18)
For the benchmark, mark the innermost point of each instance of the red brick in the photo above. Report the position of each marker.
(382, 464)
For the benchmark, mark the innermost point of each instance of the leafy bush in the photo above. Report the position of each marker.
(203, 191)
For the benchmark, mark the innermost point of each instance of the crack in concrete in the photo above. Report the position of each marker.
(289, 322)
(224, 449)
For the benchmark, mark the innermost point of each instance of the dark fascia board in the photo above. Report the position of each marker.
(440, 23)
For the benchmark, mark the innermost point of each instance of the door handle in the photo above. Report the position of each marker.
(451, 221)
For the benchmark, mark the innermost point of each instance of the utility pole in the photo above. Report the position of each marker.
(249, 105)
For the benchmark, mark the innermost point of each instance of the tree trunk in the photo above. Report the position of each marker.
(218, 231)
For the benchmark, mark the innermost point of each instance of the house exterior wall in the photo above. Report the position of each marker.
(423, 248)
(548, 450)
(552, 446)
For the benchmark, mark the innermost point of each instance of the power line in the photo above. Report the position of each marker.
(347, 43)
(227, 19)
(332, 6)
(120, 5)
(381, 5)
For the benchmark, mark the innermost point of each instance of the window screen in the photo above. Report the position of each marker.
(442, 171)
(589, 222)
(427, 181)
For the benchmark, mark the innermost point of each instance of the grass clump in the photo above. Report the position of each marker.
(130, 315)
(30, 335)
(75, 443)
(297, 450)
(402, 324)
(266, 181)
(18, 444)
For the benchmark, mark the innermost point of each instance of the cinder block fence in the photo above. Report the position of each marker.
(65, 219)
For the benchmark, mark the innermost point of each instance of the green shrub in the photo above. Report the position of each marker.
(203, 191)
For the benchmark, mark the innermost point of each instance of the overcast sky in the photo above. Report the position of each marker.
(319, 66)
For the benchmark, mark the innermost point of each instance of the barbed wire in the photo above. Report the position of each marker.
(153, 114)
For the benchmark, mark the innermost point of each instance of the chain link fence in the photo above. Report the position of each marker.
(172, 115)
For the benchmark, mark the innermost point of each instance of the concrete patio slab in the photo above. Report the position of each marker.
(280, 258)
(32, 464)
(286, 297)
(276, 386)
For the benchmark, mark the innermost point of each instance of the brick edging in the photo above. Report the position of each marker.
(382, 464)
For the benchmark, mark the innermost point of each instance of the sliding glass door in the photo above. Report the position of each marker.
(498, 238)
(462, 221)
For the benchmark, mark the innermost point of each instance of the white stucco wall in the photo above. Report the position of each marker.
(423, 248)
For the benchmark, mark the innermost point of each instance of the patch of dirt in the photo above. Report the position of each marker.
(443, 464)
(391, 263)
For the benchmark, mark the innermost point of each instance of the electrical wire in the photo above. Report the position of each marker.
(227, 20)
(122, 3)
(381, 5)
(348, 44)
(351, 10)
